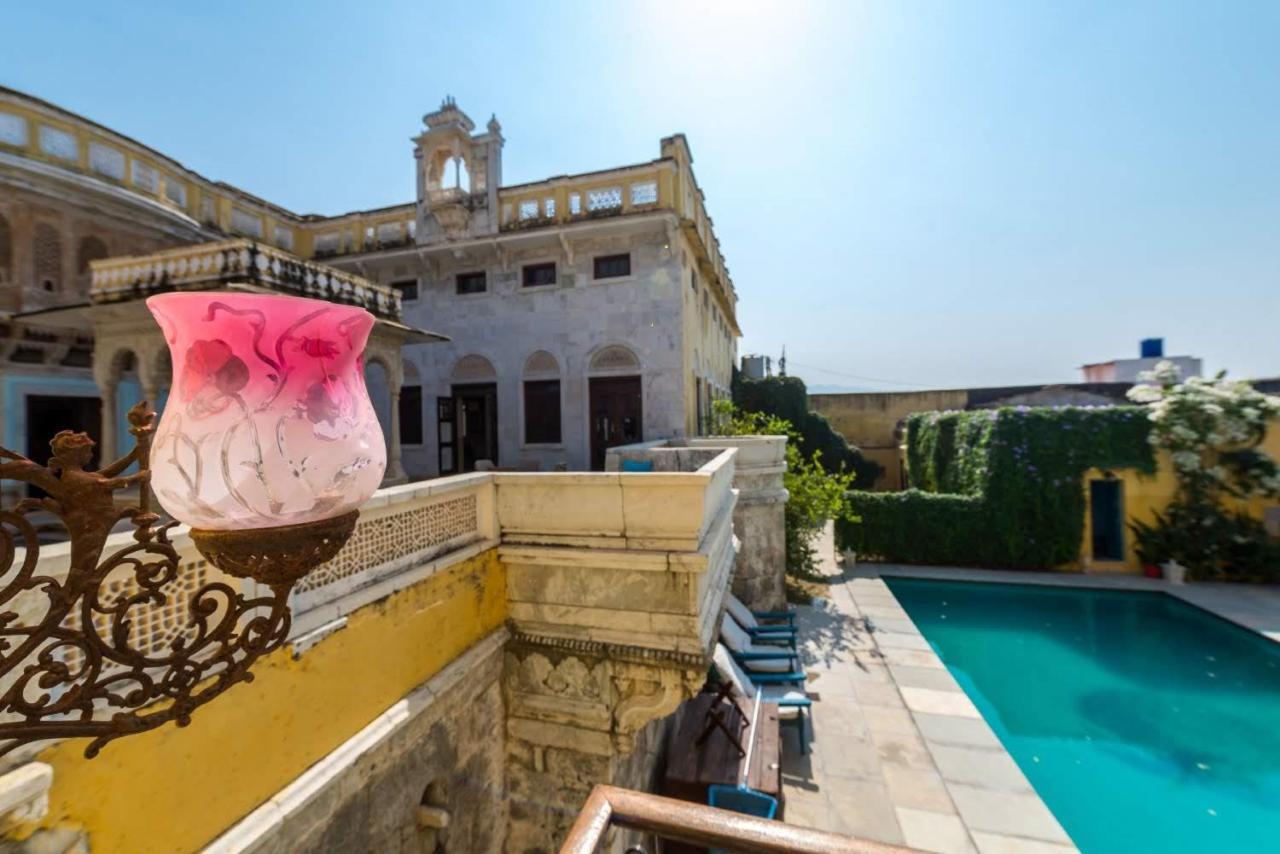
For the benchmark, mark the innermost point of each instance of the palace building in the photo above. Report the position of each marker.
(582, 311)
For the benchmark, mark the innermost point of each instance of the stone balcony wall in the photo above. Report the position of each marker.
(759, 578)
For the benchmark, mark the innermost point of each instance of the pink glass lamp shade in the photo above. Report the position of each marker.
(268, 422)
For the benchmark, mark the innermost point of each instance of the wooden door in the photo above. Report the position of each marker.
(616, 415)
(476, 419)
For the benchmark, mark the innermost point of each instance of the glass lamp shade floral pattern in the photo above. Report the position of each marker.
(269, 422)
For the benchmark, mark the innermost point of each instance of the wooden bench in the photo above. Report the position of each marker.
(693, 766)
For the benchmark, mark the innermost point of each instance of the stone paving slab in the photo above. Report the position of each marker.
(899, 753)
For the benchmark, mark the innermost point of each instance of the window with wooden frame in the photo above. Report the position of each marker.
(542, 412)
(472, 283)
(612, 266)
(537, 275)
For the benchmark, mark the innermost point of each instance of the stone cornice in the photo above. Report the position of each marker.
(598, 649)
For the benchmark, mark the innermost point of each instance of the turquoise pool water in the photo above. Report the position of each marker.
(1144, 723)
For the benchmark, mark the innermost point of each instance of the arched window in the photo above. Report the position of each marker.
(47, 248)
(6, 251)
(452, 171)
(473, 368)
(614, 359)
(411, 412)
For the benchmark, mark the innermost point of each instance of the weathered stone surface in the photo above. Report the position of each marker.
(759, 523)
(442, 753)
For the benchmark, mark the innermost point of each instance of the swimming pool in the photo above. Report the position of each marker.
(1144, 723)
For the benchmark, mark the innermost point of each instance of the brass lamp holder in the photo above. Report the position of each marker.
(68, 664)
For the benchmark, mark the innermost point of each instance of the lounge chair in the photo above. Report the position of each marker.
(755, 656)
(776, 688)
(751, 621)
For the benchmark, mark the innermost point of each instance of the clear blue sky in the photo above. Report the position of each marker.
(937, 194)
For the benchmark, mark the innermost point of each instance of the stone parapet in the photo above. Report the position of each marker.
(759, 578)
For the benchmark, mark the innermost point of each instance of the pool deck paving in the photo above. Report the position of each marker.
(898, 753)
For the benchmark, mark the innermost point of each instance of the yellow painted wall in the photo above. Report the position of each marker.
(1144, 495)
(870, 421)
(176, 789)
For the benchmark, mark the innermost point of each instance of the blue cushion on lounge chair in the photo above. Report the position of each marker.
(637, 465)
(743, 800)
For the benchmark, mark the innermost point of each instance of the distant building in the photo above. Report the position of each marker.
(1151, 353)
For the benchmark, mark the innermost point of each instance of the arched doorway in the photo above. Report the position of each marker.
(615, 405)
(468, 418)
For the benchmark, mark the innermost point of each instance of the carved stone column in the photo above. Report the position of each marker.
(615, 588)
(759, 579)
(395, 469)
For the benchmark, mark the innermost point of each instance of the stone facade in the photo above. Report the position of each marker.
(666, 315)
(578, 718)
(613, 617)
(573, 321)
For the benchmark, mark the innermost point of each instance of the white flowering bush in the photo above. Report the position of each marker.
(1212, 428)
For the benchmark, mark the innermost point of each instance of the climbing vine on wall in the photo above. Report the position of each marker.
(997, 487)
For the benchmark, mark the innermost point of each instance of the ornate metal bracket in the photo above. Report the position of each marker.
(69, 666)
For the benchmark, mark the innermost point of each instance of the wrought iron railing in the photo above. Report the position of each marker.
(667, 818)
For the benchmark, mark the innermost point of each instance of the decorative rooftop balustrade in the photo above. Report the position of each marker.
(51, 138)
(194, 267)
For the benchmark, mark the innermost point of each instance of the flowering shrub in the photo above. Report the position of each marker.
(815, 495)
(1212, 428)
(997, 487)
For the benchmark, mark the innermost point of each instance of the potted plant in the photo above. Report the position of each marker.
(1151, 544)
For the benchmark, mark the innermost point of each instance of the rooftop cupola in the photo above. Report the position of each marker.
(459, 173)
(449, 116)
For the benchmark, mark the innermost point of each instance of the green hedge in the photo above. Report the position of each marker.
(788, 399)
(997, 487)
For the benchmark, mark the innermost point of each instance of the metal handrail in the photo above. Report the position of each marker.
(702, 825)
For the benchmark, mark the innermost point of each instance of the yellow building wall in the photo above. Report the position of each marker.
(1145, 495)
(176, 789)
(870, 421)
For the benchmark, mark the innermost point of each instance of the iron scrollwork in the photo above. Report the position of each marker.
(70, 661)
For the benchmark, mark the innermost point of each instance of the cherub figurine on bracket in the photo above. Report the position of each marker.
(72, 662)
(83, 499)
